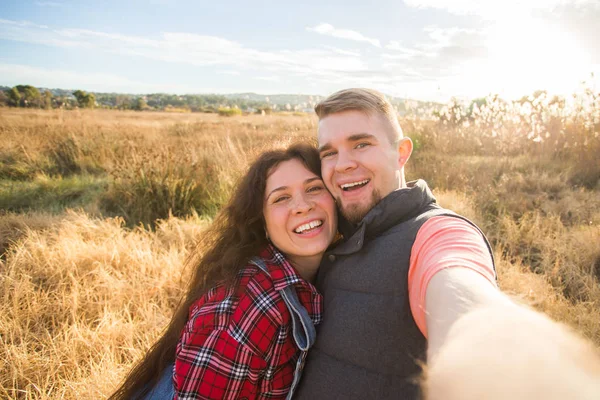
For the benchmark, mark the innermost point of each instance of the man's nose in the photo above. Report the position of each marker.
(344, 162)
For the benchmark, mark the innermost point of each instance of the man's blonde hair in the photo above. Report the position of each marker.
(368, 101)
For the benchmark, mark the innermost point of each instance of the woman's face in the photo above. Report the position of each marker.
(300, 214)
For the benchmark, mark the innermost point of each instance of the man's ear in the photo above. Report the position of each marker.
(405, 148)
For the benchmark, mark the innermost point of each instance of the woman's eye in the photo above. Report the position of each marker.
(315, 189)
(280, 199)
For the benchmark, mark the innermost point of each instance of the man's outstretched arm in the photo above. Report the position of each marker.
(481, 345)
(484, 346)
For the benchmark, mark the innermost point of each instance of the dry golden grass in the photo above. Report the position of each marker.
(82, 299)
(84, 293)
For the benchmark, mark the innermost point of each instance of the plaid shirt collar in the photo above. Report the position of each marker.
(282, 272)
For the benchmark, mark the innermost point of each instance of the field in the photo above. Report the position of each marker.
(99, 209)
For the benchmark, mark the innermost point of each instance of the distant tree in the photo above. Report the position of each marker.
(63, 102)
(3, 98)
(79, 95)
(264, 110)
(123, 102)
(14, 97)
(47, 99)
(140, 104)
(30, 96)
(85, 100)
(90, 100)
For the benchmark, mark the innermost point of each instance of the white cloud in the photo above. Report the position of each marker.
(228, 72)
(49, 4)
(353, 53)
(444, 50)
(14, 74)
(495, 9)
(395, 45)
(187, 48)
(329, 30)
(269, 78)
(402, 52)
(21, 23)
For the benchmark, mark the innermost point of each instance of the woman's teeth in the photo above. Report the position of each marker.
(310, 225)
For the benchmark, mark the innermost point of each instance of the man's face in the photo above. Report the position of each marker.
(359, 164)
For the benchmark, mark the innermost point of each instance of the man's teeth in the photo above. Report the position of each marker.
(310, 225)
(349, 185)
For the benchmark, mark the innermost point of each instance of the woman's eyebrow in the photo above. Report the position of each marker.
(281, 188)
(314, 178)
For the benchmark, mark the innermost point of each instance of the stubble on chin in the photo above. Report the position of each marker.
(354, 213)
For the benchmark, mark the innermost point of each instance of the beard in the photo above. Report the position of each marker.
(354, 213)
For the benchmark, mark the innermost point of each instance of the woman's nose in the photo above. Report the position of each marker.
(302, 204)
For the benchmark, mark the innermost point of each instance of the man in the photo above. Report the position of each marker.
(411, 281)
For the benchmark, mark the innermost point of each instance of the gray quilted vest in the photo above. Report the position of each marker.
(368, 345)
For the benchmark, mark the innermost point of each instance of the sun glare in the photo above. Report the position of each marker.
(529, 54)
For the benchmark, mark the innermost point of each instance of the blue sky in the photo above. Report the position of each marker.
(421, 49)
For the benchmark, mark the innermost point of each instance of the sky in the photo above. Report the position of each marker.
(418, 49)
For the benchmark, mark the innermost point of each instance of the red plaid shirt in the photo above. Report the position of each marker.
(238, 341)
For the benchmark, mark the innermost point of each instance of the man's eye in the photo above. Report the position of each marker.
(328, 154)
(362, 145)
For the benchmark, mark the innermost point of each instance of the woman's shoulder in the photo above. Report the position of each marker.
(251, 311)
(252, 294)
(257, 295)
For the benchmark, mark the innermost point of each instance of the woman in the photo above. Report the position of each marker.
(249, 314)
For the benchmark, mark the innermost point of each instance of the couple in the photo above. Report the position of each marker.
(386, 297)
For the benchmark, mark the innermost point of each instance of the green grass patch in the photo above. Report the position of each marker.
(144, 194)
(17, 166)
(52, 194)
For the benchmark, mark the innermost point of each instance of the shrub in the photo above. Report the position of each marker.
(64, 152)
(146, 191)
(15, 167)
(229, 112)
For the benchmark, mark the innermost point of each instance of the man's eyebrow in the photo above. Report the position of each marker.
(360, 136)
(326, 146)
(352, 138)
(281, 188)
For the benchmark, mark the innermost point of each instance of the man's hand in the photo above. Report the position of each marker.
(484, 346)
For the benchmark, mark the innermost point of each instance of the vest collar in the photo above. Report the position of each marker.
(396, 207)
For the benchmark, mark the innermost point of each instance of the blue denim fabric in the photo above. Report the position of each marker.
(164, 389)
(303, 328)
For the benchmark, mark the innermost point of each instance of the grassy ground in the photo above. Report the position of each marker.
(99, 210)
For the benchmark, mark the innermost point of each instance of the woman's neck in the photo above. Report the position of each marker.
(307, 267)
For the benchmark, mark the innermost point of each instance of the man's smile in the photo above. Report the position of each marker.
(350, 186)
